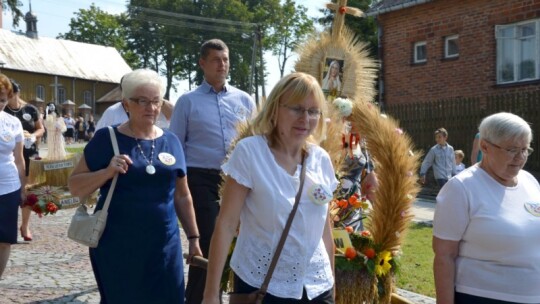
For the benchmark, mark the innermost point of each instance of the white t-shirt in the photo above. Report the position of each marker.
(11, 132)
(499, 249)
(304, 261)
(116, 114)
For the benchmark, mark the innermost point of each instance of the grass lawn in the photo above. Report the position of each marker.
(416, 270)
(74, 149)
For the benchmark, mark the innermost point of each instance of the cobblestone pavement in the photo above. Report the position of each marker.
(52, 269)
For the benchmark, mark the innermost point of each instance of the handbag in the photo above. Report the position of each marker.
(257, 296)
(85, 228)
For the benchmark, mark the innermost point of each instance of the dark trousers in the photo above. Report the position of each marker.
(326, 297)
(463, 298)
(204, 187)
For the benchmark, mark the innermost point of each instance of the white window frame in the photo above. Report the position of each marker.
(447, 40)
(87, 97)
(40, 92)
(514, 44)
(61, 94)
(415, 51)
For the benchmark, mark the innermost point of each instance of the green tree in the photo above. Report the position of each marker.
(364, 27)
(96, 26)
(290, 27)
(13, 6)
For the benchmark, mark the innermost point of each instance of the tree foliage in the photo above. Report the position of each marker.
(96, 26)
(365, 27)
(289, 29)
(13, 6)
(166, 35)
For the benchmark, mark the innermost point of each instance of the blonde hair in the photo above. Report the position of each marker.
(299, 86)
(459, 153)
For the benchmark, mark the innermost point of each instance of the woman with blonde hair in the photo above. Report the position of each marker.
(263, 176)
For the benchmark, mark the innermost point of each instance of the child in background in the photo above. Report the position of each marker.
(459, 155)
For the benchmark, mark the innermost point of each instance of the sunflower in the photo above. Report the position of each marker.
(382, 267)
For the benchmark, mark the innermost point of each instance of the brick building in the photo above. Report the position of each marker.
(442, 49)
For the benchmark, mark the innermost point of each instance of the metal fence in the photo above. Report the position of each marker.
(461, 117)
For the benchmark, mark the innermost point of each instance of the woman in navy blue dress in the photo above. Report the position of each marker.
(139, 256)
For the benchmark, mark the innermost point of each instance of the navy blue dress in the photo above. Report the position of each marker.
(139, 256)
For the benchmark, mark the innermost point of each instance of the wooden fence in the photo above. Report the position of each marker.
(461, 117)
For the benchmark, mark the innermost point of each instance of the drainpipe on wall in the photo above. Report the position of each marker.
(380, 58)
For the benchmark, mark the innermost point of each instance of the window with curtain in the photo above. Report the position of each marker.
(518, 55)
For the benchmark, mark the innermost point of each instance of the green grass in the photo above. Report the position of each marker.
(74, 149)
(416, 268)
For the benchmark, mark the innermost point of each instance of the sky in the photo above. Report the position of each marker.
(54, 17)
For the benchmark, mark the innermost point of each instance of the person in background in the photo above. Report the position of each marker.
(12, 179)
(476, 153)
(262, 180)
(486, 223)
(205, 121)
(459, 156)
(441, 158)
(70, 128)
(33, 128)
(91, 127)
(139, 256)
(80, 129)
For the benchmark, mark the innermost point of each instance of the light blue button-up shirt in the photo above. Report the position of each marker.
(443, 161)
(205, 122)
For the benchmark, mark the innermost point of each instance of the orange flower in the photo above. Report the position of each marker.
(350, 253)
(352, 200)
(349, 229)
(365, 233)
(369, 253)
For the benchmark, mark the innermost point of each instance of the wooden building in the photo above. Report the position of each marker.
(56, 70)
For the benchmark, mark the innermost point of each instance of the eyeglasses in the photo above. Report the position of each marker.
(145, 102)
(298, 111)
(513, 152)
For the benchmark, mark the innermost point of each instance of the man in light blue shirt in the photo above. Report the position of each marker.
(205, 121)
(441, 158)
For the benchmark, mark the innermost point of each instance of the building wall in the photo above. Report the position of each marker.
(473, 73)
(74, 88)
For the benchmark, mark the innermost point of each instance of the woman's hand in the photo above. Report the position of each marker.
(119, 164)
(194, 248)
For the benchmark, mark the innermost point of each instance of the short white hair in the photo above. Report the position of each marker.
(504, 126)
(137, 78)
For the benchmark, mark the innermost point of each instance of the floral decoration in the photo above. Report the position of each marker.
(44, 200)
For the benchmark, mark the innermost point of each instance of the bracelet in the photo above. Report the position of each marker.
(193, 237)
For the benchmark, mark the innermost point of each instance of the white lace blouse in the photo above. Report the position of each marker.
(304, 262)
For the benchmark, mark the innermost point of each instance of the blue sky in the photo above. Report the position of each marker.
(54, 17)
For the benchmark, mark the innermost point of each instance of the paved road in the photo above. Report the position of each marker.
(53, 269)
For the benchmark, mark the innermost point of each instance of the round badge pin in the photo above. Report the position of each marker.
(319, 194)
(533, 208)
(167, 158)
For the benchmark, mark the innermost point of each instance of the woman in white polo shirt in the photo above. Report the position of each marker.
(486, 230)
(262, 180)
(12, 173)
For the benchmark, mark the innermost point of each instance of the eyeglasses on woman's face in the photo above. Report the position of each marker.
(298, 111)
(146, 102)
(513, 152)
